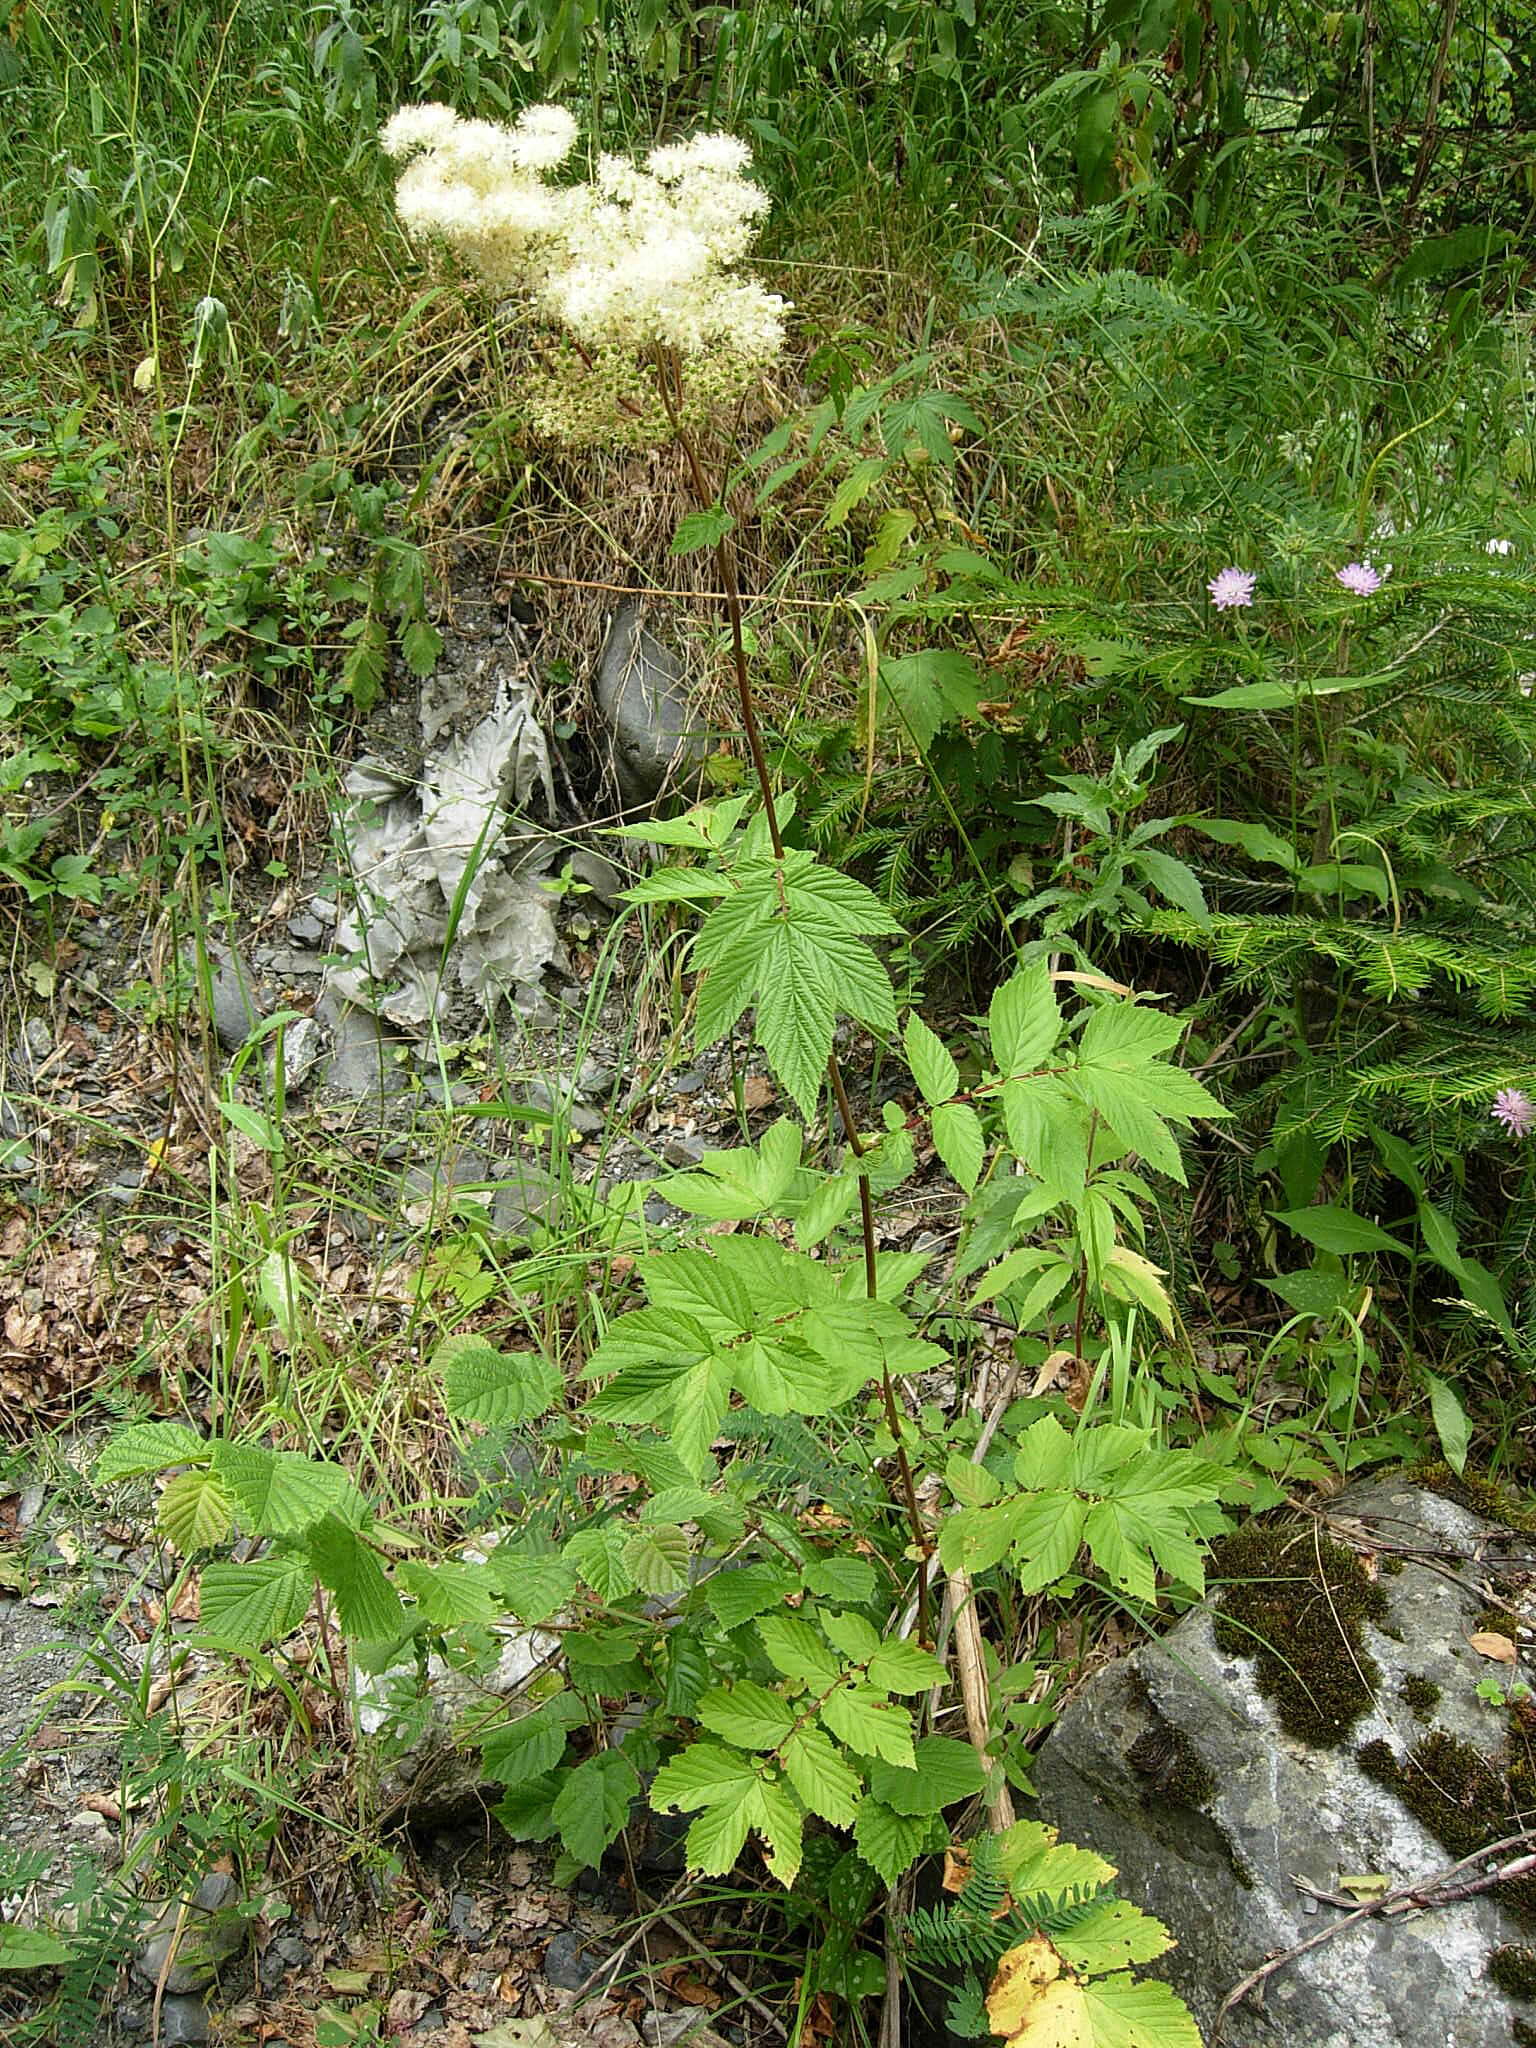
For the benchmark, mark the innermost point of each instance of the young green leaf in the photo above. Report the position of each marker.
(516, 1751)
(960, 1142)
(195, 1513)
(890, 1842)
(367, 1605)
(593, 1803)
(933, 1070)
(245, 1606)
(827, 1785)
(1024, 1022)
(748, 1715)
(482, 1384)
(869, 1723)
(945, 1772)
(149, 1447)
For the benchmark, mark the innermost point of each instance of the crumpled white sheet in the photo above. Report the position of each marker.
(448, 880)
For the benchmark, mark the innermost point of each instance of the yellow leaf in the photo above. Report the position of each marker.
(1034, 2003)
(144, 375)
(1371, 1884)
(1488, 1643)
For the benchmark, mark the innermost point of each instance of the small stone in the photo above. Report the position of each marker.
(306, 929)
(204, 1934)
(302, 1045)
(36, 1045)
(688, 1083)
(236, 1006)
(184, 2021)
(683, 1152)
(569, 1961)
(657, 740)
(29, 1506)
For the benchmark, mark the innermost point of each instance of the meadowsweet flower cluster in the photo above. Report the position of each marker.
(638, 258)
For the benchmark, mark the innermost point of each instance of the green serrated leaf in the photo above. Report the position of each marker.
(702, 529)
(703, 1774)
(797, 1650)
(283, 1493)
(1111, 1934)
(517, 1751)
(598, 1554)
(734, 1597)
(450, 1594)
(945, 1771)
(826, 1783)
(593, 1803)
(195, 1512)
(960, 1142)
(1125, 2013)
(246, 1606)
(890, 1842)
(656, 1558)
(933, 1070)
(1023, 1021)
(482, 1384)
(149, 1447)
(748, 1715)
(900, 1666)
(367, 1605)
(534, 1584)
(869, 1723)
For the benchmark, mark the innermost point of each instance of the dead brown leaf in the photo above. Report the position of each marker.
(1489, 1643)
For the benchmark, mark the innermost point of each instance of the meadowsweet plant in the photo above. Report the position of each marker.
(628, 274)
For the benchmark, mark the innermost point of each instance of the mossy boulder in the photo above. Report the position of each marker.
(1220, 1768)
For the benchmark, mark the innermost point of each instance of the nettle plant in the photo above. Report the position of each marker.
(777, 1507)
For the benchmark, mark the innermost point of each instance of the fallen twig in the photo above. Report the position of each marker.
(1435, 1890)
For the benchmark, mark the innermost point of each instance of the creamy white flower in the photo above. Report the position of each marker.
(544, 137)
(413, 128)
(638, 257)
(1498, 547)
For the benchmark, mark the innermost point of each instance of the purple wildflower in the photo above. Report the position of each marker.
(1514, 1109)
(1362, 578)
(1232, 589)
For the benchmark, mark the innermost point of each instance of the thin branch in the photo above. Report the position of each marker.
(1420, 1893)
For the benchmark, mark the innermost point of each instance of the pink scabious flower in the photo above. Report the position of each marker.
(1231, 589)
(1514, 1109)
(1363, 579)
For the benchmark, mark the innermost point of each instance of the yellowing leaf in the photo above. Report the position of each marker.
(1488, 1643)
(1370, 1884)
(1034, 2004)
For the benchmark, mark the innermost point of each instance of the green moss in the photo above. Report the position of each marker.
(1172, 1768)
(1391, 1566)
(1298, 1604)
(1514, 1970)
(1464, 1798)
(1421, 1695)
(1484, 1496)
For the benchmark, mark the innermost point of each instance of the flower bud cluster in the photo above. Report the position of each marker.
(639, 257)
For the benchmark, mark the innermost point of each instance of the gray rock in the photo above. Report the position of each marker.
(183, 2022)
(205, 1932)
(306, 929)
(1214, 1841)
(236, 1005)
(302, 1046)
(363, 1061)
(683, 1152)
(569, 1960)
(526, 1196)
(656, 738)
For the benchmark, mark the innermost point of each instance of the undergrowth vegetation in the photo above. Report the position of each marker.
(1089, 461)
